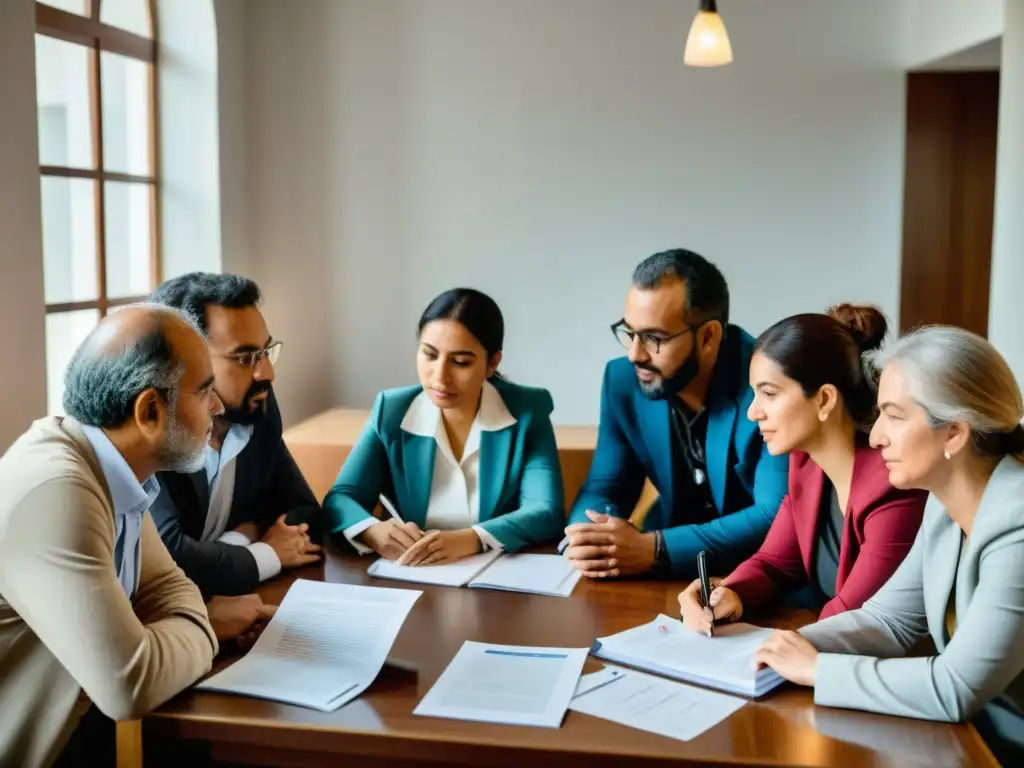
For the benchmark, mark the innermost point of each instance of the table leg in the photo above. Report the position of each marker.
(129, 744)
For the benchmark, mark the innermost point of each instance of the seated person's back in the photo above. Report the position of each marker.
(468, 458)
(248, 512)
(674, 411)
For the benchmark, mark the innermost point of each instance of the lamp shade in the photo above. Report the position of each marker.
(708, 43)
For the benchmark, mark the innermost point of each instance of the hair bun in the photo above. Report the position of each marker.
(865, 323)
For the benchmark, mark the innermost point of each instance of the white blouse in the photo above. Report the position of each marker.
(455, 486)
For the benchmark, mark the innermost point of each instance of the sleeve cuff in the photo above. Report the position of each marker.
(235, 538)
(354, 530)
(267, 561)
(487, 539)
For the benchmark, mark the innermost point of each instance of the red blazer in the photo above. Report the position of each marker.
(880, 525)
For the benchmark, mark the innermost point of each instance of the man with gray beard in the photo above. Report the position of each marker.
(90, 599)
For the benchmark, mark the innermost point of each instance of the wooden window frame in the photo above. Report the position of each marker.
(89, 32)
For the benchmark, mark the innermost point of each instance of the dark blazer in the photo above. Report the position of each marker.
(521, 496)
(878, 531)
(268, 484)
(634, 442)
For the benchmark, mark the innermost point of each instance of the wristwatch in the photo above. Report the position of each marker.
(662, 564)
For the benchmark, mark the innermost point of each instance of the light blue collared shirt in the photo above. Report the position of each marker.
(131, 499)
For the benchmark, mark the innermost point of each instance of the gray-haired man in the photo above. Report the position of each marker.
(89, 597)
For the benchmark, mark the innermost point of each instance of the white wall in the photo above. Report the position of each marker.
(231, 77)
(287, 182)
(939, 28)
(1006, 312)
(538, 150)
(23, 370)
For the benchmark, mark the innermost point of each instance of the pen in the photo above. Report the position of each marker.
(705, 587)
(386, 502)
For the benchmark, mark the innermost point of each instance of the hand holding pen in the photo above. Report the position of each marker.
(705, 602)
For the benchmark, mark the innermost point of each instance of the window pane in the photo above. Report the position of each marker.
(132, 15)
(71, 6)
(64, 332)
(125, 90)
(62, 96)
(69, 239)
(128, 239)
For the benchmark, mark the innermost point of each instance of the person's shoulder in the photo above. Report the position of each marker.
(620, 377)
(521, 399)
(1002, 505)
(391, 405)
(48, 454)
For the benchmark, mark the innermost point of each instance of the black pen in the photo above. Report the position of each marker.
(705, 588)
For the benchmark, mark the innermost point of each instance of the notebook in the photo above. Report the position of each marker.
(724, 662)
(550, 575)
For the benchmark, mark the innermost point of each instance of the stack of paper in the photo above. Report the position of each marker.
(324, 647)
(651, 703)
(665, 646)
(536, 574)
(506, 684)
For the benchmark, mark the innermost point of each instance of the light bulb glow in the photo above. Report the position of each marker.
(708, 43)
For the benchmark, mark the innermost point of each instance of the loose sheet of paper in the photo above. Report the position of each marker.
(507, 684)
(666, 646)
(324, 647)
(539, 574)
(456, 574)
(651, 703)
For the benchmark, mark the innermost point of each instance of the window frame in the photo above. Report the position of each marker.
(89, 32)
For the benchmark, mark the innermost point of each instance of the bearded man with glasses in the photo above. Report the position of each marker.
(248, 512)
(673, 411)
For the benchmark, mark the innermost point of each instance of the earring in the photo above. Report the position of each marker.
(946, 454)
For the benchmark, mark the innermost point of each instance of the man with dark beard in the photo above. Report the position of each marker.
(674, 411)
(248, 512)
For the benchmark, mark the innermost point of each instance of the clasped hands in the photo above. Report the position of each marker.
(407, 544)
(609, 546)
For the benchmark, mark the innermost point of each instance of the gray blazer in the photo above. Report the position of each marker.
(860, 664)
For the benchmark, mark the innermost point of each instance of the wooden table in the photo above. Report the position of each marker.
(379, 728)
(321, 444)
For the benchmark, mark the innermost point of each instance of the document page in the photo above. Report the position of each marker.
(456, 574)
(724, 661)
(538, 574)
(651, 703)
(508, 684)
(324, 647)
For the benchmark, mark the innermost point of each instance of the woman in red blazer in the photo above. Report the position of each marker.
(842, 528)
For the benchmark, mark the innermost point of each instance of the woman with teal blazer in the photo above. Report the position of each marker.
(468, 458)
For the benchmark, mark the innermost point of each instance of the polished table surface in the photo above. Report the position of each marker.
(379, 728)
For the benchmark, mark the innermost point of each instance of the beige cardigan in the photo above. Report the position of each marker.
(65, 623)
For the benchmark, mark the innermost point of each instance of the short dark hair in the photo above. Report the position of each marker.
(102, 381)
(193, 292)
(707, 294)
(477, 311)
(817, 349)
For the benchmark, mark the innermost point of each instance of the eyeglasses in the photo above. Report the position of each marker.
(252, 359)
(207, 395)
(651, 342)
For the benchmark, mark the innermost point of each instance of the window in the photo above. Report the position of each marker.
(96, 97)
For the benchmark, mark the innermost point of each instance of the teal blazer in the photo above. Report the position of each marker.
(522, 501)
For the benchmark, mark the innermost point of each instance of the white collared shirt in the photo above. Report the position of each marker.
(220, 477)
(131, 499)
(454, 501)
